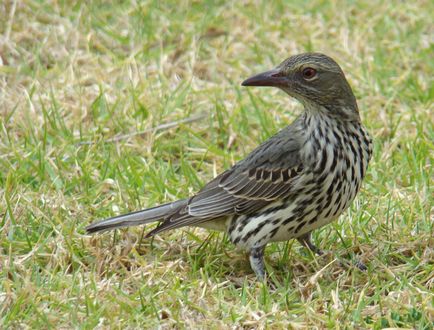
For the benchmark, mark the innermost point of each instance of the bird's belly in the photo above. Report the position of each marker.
(317, 206)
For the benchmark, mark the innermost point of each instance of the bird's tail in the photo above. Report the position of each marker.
(136, 218)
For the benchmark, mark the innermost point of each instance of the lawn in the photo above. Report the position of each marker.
(108, 107)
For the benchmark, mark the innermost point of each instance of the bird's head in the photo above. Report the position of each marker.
(314, 79)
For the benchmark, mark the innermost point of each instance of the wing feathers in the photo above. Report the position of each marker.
(269, 173)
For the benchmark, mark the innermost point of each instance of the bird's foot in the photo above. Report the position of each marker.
(257, 263)
(306, 241)
(360, 265)
(355, 262)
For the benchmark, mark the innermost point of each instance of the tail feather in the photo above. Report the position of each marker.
(136, 218)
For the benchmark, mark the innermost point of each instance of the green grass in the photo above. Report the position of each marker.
(74, 72)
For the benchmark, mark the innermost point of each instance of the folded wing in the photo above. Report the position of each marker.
(268, 174)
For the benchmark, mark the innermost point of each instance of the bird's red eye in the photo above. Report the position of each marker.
(309, 73)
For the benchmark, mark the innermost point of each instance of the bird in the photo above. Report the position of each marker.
(299, 180)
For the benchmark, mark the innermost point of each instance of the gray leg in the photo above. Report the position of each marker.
(361, 266)
(306, 241)
(257, 261)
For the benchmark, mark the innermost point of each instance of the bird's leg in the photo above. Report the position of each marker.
(257, 261)
(361, 266)
(305, 240)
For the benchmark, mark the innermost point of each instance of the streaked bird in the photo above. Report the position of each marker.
(300, 179)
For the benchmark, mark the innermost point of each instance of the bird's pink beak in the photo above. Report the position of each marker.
(274, 78)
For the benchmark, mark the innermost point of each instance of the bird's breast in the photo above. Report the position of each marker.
(335, 161)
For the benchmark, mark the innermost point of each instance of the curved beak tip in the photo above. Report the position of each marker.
(246, 83)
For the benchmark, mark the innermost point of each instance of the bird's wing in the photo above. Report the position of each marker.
(269, 173)
(244, 192)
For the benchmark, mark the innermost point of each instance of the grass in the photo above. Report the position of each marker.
(75, 71)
